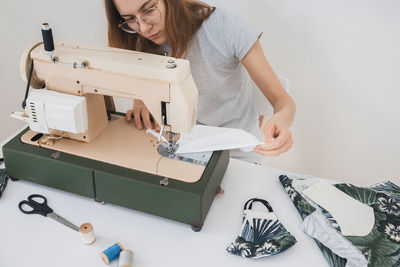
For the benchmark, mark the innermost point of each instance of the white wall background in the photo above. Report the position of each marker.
(342, 59)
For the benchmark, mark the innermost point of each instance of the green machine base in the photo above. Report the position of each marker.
(183, 202)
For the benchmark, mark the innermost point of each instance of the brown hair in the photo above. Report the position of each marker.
(190, 13)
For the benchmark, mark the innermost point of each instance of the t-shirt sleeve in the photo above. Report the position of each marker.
(239, 36)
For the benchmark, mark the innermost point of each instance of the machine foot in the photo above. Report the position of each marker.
(196, 228)
(219, 191)
(99, 201)
(11, 178)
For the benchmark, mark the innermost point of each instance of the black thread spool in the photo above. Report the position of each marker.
(48, 40)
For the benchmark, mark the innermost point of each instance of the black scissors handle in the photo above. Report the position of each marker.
(37, 207)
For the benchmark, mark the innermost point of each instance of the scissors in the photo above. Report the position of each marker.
(38, 203)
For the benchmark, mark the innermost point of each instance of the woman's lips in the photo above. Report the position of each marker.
(153, 36)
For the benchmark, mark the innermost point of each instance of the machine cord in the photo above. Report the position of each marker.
(158, 163)
(27, 86)
(50, 139)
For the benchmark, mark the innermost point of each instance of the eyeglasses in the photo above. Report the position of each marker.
(151, 16)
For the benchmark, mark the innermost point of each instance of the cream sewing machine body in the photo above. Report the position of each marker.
(88, 70)
(73, 134)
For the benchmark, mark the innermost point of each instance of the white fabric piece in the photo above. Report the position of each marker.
(318, 227)
(350, 264)
(347, 211)
(200, 156)
(204, 138)
(302, 183)
(157, 134)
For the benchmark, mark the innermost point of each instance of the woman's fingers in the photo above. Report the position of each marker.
(275, 152)
(142, 116)
(146, 119)
(283, 137)
(277, 146)
(129, 114)
(156, 125)
(137, 116)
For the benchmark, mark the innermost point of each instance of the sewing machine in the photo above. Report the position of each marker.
(76, 141)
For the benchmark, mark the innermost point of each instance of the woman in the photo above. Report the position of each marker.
(225, 56)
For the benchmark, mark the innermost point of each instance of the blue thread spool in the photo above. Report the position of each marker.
(111, 253)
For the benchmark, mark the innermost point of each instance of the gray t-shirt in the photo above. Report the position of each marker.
(226, 93)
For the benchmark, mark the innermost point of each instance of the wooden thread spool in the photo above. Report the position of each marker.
(87, 234)
(125, 258)
(111, 253)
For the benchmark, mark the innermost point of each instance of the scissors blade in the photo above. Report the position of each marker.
(60, 219)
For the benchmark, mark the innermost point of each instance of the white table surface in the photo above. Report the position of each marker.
(34, 240)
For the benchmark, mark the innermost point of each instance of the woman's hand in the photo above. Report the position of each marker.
(141, 113)
(278, 138)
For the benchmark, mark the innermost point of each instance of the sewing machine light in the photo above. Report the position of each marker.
(49, 110)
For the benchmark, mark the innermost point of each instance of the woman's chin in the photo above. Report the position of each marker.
(159, 40)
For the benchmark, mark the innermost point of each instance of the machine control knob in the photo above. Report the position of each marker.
(171, 64)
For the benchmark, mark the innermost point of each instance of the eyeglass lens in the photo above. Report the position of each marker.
(150, 16)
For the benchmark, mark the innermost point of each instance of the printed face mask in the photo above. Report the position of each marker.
(261, 234)
(3, 181)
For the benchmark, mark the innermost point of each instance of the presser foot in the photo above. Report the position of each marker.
(169, 151)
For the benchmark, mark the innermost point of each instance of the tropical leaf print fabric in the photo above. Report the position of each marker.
(261, 233)
(3, 180)
(381, 247)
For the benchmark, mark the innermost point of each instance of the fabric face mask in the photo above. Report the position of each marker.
(261, 234)
(3, 181)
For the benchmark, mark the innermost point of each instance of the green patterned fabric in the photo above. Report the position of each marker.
(381, 247)
(261, 235)
(3, 181)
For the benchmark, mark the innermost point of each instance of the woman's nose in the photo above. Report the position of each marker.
(144, 27)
